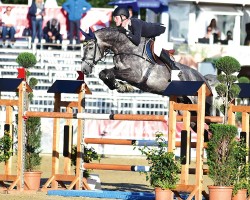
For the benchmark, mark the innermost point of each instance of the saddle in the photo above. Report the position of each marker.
(152, 56)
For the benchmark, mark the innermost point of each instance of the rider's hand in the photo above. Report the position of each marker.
(122, 30)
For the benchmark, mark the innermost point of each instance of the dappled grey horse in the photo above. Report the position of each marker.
(132, 66)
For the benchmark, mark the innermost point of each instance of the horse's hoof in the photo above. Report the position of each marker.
(125, 88)
(129, 88)
(121, 89)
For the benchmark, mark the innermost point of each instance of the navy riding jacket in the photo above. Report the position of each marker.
(140, 28)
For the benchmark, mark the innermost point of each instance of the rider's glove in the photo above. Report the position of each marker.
(122, 30)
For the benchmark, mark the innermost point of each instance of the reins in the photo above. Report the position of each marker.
(133, 54)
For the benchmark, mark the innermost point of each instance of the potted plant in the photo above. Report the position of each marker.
(164, 170)
(33, 135)
(241, 184)
(222, 155)
(33, 159)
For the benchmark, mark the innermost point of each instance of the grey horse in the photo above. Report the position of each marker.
(132, 66)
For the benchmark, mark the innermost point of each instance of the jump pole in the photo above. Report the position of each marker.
(129, 117)
(130, 167)
(128, 142)
(135, 168)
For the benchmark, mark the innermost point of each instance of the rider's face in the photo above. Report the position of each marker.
(117, 20)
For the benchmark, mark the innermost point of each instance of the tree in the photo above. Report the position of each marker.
(15, 1)
(33, 124)
(227, 90)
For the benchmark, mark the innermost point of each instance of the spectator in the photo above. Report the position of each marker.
(215, 30)
(27, 31)
(228, 38)
(247, 39)
(51, 31)
(132, 13)
(130, 10)
(8, 26)
(75, 9)
(208, 33)
(208, 38)
(36, 12)
(1, 27)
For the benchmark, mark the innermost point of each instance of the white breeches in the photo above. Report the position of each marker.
(159, 44)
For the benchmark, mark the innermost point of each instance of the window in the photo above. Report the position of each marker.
(178, 22)
(225, 17)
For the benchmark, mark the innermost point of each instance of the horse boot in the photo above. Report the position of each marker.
(165, 58)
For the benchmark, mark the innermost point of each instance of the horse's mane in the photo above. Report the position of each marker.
(113, 30)
(107, 29)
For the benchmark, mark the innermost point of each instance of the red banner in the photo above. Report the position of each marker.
(130, 129)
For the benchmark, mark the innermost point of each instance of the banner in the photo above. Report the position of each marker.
(96, 18)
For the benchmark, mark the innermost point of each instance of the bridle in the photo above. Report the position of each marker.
(94, 61)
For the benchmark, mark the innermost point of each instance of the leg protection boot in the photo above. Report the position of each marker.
(165, 58)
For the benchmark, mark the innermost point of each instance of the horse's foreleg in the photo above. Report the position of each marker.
(108, 77)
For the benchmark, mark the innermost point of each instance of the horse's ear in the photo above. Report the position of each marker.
(88, 36)
(91, 33)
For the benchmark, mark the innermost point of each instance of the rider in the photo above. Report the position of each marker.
(135, 28)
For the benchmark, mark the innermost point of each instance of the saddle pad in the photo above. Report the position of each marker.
(149, 51)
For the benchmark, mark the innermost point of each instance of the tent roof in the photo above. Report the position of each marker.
(239, 2)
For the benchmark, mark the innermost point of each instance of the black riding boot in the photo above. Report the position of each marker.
(165, 58)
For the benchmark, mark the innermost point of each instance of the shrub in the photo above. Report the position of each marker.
(89, 155)
(5, 147)
(33, 143)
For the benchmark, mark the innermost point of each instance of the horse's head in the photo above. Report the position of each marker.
(98, 44)
(92, 52)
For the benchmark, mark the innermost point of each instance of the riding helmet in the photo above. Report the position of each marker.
(121, 11)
